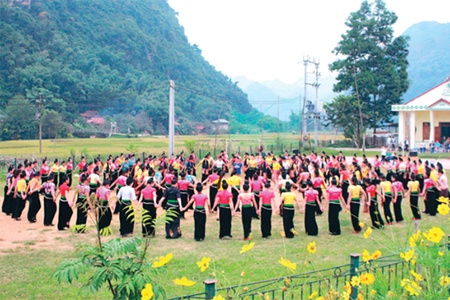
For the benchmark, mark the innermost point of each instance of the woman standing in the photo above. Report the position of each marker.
(398, 191)
(247, 203)
(414, 192)
(8, 200)
(94, 180)
(288, 199)
(49, 200)
(69, 168)
(173, 207)
(235, 182)
(386, 198)
(81, 197)
(20, 194)
(104, 211)
(33, 197)
(201, 205)
(224, 199)
(354, 201)
(214, 180)
(256, 185)
(183, 185)
(65, 207)
(44, 171)
(429, 195)
(266, 206)
(310, 208)
(334, 199)
(148, 200)
(375, 216)
(127, 196)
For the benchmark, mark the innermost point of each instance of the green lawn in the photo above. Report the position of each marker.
(26, 271)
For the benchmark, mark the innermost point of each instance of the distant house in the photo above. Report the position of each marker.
(426, 117)
(221, 126)
(200, 129)
(93, 117)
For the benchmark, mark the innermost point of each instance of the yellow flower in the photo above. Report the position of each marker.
(163, 260)
(347, 287)
(376, 255)
(282, 233)
(147, 292)
(373, 292)
(218, 297)
(407, 255)
(366, 256)
(287, 282)
(390, 294)
(247, 247)
(411, 287)
(434, 235)
(345, 296)
(414, 238)
(183, 281)
(314, 294)
(442, 199)
(444, 280)
(367, 233)
(361, 224)
(242, 273)
(355, 281)
(320, 298)
(288, 264)
(443, 209)
(367, 278)
(293, 231)
(360, 296)
(312, 247)
(417, 276)
(441, 253)
(204, 264)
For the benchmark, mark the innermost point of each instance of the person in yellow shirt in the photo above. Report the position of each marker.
(413, 192)
(20, 194)
(235, 182)
(276, 167)
(354, 200)
(386, 191)
(55, 171)
(288, 199)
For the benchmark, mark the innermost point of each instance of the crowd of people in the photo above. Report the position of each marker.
(256, 187)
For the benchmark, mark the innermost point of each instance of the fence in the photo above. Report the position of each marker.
(302, 286)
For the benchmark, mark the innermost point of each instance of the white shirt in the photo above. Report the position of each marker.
(443, 182)
(127, 193)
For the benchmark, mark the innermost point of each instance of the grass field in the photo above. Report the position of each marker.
(26, 270)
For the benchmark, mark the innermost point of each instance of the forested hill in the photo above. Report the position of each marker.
(113, 57)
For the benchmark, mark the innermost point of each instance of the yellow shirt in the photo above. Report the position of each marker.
(354, 191)
(289, 198)
(387, 186)
(434, 175)
(252, 163)
(54, 169)
(137, 172)
(421, 170)
(276, 166)
(413, 186)
(62, 169)
(21, 186)
(234, 180)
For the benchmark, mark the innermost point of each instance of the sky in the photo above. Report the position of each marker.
(268, 39)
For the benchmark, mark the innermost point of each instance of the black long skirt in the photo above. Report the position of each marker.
(20, 205)
(184, 200)
(247, 213)
(431, 202)
(173, 230)
(288, 221)
(375, 216)
(334, 225)
(387, 209)
(199, 224)
(34, 206)
(398, 209)
(126, 222)
(354, 211)
(81, 214)
(318, 211)
(235, 194)
(310, 220)
(212, 194)
(9, 205)
(104, 217)
(49, 210)
(64, 215)
(414, 204)
(148, 226)
(225, 222)
(266, 221)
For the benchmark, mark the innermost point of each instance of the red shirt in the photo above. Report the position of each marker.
(64, 188)
(256, 185)
(213, 177)
(311, 195)
(200, 199)
(317, 182)
(183, 185)
(147, 192)
(345, 174)
(224, 197)
(168, 178)
(397, 186)
(334, 193)
(266, 196)
(371, 191)
(103, 193)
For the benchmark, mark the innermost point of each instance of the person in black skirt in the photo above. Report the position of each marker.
(413, 192)
(65, 207)
(311, 202)
(224, 200)
(334, 199)
(33, 197)
(126, 195)
(104, 211)
(266, 207)
(247, 204)
(288, 199)
(148, 200)
(173, 207)
(81, 198)
(49, 200)
(20, 195)
(8, 200)
(201, 207)
(371, 191)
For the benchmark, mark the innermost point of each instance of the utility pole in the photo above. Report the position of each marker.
(171, 117)
(316, 115)
(308, 107)
(40, 103)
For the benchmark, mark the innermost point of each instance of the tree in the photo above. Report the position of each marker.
(19, 121)
(338, 114)
(373, 64)
(53, 126)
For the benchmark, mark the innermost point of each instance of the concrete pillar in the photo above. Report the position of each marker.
(412, 130)
(432, 126)
(401, 128)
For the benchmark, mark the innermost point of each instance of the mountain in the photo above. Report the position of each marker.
(264, 96)
(429, 52)
(111, 57)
